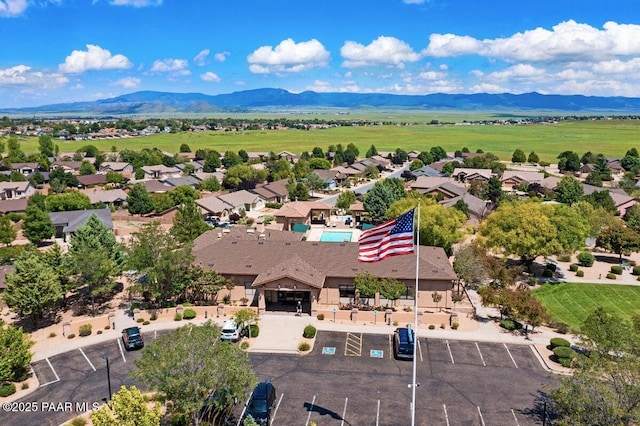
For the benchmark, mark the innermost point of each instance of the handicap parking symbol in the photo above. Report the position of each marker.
(328, 350)
(375, 353)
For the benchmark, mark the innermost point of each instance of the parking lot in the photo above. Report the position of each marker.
(354, 380)
(348, 379)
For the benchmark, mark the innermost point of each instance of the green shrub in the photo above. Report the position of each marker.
(304, 346)
(611, 276)
(146, 322)
(177, 317)
(71, 336)
(85, 330)
(586, 259)
(573, 267)
(254, 329)
(564, 352)
(580, 273)
(547, 273)
(25, 385)
(52, 334)
(320, 317)
(564, 258)
(562, 327)
(7, 389)
(99, 332)
(455, 325)
(636, 270)
(559, 341)
(616, 269)
(186, 305)
(78, 421)
(565, 362)
(432, 327)
(189, 314)
(309, 332)
(244, 345)
(140, 320)
(107, 327)
(509, 324)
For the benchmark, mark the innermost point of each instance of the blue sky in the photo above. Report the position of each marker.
(55, 51)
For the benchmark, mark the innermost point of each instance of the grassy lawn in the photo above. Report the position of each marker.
(571, 303)
(610, 137)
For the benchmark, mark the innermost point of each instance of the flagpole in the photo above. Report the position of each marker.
(416, 223)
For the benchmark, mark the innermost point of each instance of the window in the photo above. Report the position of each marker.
(347, 290)
(408, 294)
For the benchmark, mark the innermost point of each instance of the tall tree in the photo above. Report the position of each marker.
(533, 158)
(95, 257)
(382, 195)
(139, 201)
(33, 289)
(189, 364)
(16, 353)
(569, 190)
(371, 151)
(37, 225)
(518, 156)
(45, 145)
(7, 232)
(345, 199)
(188, 223)
(568, 161)
(618, 239)
(86, 168)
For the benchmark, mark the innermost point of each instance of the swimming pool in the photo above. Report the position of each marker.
(335, 236)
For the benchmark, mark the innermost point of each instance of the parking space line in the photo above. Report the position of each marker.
(378, 414)
(244, 409)
(510, 356)
(344, 411)
(121, 351)
(390, 347)
(446, 416)
(85, 357)
(481, 357)
(450, 354)
(54, 373)
(313, 401)
(514, 417)
(276, 410)
(481, 418)
(353, 345)
(420, 350)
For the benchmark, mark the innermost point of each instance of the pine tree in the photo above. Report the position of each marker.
(188, 222)
(7, 232)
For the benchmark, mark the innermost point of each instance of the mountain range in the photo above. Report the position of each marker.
(149, 102)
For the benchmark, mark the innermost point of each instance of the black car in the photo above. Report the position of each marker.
(403, 343)
(132, 338)
(262, 402)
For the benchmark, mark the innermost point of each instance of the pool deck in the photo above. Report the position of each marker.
(315, 232)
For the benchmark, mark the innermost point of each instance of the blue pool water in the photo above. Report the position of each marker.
(335, 237)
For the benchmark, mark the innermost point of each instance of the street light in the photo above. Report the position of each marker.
(106, 358)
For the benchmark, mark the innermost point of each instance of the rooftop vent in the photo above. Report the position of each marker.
(262, 237)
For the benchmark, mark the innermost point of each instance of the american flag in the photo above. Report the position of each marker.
(392, 238)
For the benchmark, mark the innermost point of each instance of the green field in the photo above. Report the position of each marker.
(609, 137)
(571, 303)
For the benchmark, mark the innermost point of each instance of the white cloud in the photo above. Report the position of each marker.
(617, 66)
(210, 76)
(201, 58)
(413, 1)
(521, 72)
(488, 88)
(288, 56)
(221, 56)
(382, 51)
(23, 75)
(94, 58)
(10, 8)
(172, 66)
(127, 82)
(567, 41)
(431, 75)
(136, 3)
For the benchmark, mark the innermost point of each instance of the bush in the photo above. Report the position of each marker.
(580, 273)
(432, 327)
(559, 341)
(189, 314)
(140, 320)
(7, 389)
(562, 327)
(564, 352)
(455, 325)
(25, 385)
(177, 317)
(320, 317)
(146, 322)
(611, 276)
(510, 324)
(253, 328)
(52, 334)
(586, 259)
(547, 273)
(186, 304)
(71, 336)
(551, 266)
(309, 332)
(573, 267)
(107, 327)
(564, 258)
(85, 330)
(154, 315)
(565, 362)
(244, 345)
(616, 269)
(636, 270)
(78, 421)
(99, 332)
(304, 346)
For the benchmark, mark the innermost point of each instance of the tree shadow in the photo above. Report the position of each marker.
(540, 409)
(324, 412)
(612, 260)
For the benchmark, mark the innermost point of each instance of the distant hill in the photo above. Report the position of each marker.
(148, 102)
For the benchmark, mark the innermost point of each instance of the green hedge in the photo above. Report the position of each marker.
(573, 267)
(189, 314)
(255, 330)
(7, 389)
(611, 276)
(309, 332)
(564, 352)
(616, 269)
(510, 324)
(559, 341)
(636, 270)
(580, 273)
(586, 259)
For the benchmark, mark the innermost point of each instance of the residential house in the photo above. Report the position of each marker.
(72, 167)
(125, 169)
(155, 186)
(302, 212)
(205, 175)
(92, 180)
(195, 166)
(423, 183)
(512, 179)
(12, 190)
(383, 162)
(243, 200)
(463, 174)
(271, 274)
(66, 223)
(15, 205)
(478, 208)
(24, 168)
(289, 156)
(621, 200)
(182, 181)
(214, 206)
(445, 191)
(115, 197)
(426, 171)
(273, 192)
(161, 172)
(330, 177)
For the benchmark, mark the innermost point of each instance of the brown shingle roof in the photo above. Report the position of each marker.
(294, 268)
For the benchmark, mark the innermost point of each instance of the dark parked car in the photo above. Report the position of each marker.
(403, 343)
(132, 338)
(262, 402)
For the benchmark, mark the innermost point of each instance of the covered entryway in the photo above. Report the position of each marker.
(283, 286)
